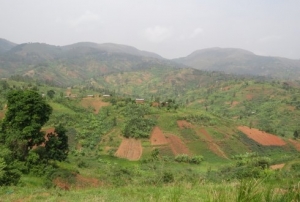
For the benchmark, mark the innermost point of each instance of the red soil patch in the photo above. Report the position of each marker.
(157, 137)
(184, 124)
(249, 97)
(261, 137)
(130, 149)
(95, 103)
(177, 146)
(277, 166)
(234, 103)
(296, 144)
(212, 145)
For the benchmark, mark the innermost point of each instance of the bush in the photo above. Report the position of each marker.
(182, 158)
(167, 177)
(196, 159)
(186, 159)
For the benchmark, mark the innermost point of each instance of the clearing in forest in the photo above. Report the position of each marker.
(130, 149)
(157, 137)
(262, 137)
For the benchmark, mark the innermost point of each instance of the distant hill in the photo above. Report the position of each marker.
(75, 63)
(79, 62)
(6, 45)
(238, 61)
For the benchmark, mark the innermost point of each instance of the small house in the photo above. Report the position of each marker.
(139, 101)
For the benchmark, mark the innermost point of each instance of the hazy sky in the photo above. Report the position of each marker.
(171, 28)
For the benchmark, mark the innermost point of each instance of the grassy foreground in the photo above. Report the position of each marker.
(251, 190)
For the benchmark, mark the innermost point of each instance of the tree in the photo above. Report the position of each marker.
(50, 93)
(26, 113)
(296, 135)
(57, 147)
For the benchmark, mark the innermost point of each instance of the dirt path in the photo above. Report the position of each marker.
(262, 137)
(130, 149)
(157, 137)
(212, 145)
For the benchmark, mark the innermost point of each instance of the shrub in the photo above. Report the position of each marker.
(167, 177)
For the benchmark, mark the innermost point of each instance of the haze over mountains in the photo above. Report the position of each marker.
(85, 60)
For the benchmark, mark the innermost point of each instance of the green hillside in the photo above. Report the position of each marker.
(179, 145)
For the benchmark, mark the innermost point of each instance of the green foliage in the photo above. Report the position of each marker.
(296, 135)
(167, 177)
(27, 113)
(136, 125)
(9, 171)
(50, 94)
(187, 159)
(56, 147)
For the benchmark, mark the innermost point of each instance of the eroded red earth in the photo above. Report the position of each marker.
(262, 137)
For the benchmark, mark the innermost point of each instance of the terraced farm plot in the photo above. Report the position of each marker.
(130, 149)
(157, 137)
(177, 146)
(212, 145)
(262, 137)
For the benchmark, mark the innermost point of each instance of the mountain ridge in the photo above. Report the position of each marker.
(86, 60)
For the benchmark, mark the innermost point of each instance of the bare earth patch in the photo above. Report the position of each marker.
(183, 124)
(157, 137)
(130, 149)
(291, 108)
(249, 97)
(262, 137)
(234, 103)
(95, 102)
(295, 143)
(177, 146)
(214, 147)
(277, 166)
